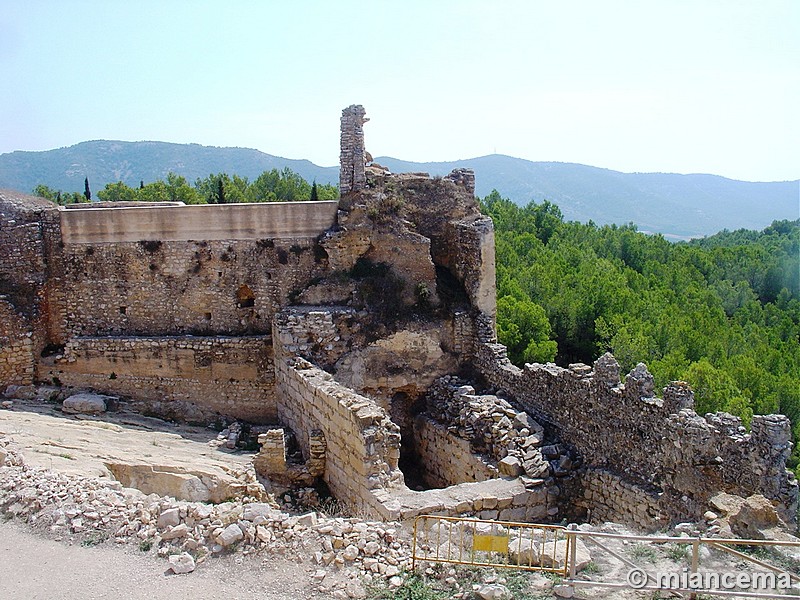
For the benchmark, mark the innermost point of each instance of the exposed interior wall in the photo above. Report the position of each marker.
(363, 445)
(188, 378)
(201, 288)
(447, 458)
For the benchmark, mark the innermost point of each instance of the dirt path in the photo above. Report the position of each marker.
(33, 567)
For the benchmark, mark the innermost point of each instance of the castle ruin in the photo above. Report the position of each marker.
(366, 328)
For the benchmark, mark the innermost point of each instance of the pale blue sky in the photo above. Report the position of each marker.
(681, 86)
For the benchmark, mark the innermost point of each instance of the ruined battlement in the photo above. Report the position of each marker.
(655, 444)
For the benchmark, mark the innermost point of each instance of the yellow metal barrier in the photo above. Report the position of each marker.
(475, 542)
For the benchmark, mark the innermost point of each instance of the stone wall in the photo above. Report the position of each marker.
(23, 271)
(363, 445)
(202, 288)
(446, 458)
(656, 443)
(28, 238)
(188, 378)
(352, 158)
(16, 347)
(608, 496)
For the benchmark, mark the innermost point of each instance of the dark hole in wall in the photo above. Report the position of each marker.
(52, 350)
(123, 310)
(150, 245)
(451, 291)
(320, 254)
(283, 256)
(405, 407)
(245, 297)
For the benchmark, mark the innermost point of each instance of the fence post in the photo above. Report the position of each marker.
(695, 562)
(572, 550)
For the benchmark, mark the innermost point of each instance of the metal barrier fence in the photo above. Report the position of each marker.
(693, 579)
(475, 542)
(553, 549)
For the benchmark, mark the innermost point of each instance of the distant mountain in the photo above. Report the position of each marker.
(678, 206)
(104, 161)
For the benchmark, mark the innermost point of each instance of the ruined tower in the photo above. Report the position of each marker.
(351, 159)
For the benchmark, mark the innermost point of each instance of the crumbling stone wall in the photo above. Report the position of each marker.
(352, 158)
(188, 378)
(650, 443)
(23, 271)
(231, 287)
(16, 347)
(28, 237)
(363, 445)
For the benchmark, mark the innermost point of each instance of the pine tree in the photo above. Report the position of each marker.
(86, 191)
(220, 191)
(141, 184)
(314, 193)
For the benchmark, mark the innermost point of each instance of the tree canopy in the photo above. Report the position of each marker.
(220, 188)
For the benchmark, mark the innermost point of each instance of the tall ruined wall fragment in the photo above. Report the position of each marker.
(352, 158)
(28, 239)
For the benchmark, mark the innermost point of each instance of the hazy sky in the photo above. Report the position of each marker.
(663, 85)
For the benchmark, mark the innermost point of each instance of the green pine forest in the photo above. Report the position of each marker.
(220, 188)
(722, 312)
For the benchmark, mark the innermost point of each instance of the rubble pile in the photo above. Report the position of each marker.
(95, 510)
(496, 429)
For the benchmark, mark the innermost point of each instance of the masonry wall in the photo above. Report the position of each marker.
(658, 444)
(447, 459)
(363, 445)
(200, 288)
(16, 347)
(188, 378)
(28, 234)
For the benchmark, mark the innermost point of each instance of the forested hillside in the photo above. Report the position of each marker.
(722, 313)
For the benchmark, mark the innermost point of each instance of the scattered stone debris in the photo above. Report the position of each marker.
(187, 533)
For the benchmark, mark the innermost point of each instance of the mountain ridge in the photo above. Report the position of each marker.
(676, 205)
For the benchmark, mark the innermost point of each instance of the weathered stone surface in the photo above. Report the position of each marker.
(176, 532)
(493, 591)
(87, 404)
(553, 554)
(169, 518)
(523, 550)
(182, 563)
(230, 535)
(754, 517)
